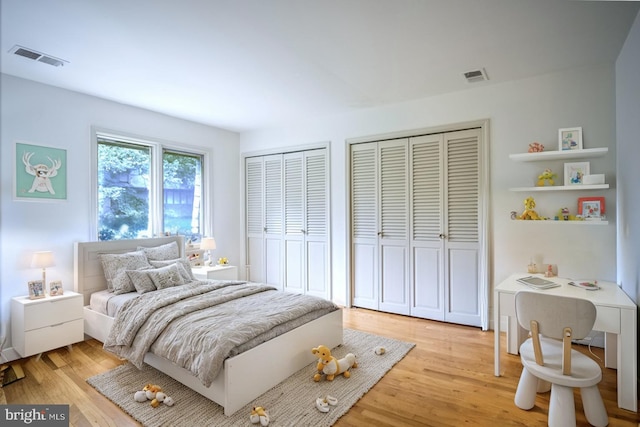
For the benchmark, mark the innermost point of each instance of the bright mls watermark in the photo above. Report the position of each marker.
(34, 415)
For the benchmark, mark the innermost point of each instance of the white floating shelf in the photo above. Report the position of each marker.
(559, 155)
(548, 221)
(582, 187)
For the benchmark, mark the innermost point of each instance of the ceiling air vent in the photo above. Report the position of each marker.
(37, 56)
(476, 76)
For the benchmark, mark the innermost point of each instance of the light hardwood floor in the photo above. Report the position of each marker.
(446, 380)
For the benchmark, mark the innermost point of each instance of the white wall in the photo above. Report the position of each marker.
(628, 141)
(49, 116)
(520, 112)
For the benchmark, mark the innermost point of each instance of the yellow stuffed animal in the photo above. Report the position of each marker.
(546, 177)
(529, 213)
(259, 415)
(330, 366)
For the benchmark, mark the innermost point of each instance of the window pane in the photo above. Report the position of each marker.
(182, 198)
(123, 190)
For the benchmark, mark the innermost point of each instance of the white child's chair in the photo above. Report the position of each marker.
(547, 357)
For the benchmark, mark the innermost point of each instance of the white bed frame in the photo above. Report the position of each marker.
(244, 377)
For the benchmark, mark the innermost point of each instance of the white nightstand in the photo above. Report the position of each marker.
(216, 272)
(43, 324)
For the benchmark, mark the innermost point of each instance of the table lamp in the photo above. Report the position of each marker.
(208, 243)
(43, 260)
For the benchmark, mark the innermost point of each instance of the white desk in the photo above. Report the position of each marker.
(616, 317)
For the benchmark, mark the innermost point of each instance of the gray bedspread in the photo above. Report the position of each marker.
(200, 324)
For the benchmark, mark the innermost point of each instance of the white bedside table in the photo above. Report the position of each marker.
(39, 325)
(216, 272)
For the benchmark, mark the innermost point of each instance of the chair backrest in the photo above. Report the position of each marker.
(553, 316)
(554, 313)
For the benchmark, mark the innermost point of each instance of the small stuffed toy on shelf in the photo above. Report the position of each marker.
(536, 147)
(546, 177)
(529, 213)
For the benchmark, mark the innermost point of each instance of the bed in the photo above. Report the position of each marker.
(243, 377)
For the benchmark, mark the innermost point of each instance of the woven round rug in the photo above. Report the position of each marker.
(290, 403)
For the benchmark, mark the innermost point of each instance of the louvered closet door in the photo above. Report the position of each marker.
(427, 225)
(305, 219)
(316, 180)
(273, 228)
(364, 225)
(462, 222)
(394, 227)
(293, 219)
(254, 182)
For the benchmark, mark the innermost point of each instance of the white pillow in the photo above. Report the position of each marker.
(112, 264)
(183, 264)
(162, 252)
(141, 281)
(123, 284)
(166, 277)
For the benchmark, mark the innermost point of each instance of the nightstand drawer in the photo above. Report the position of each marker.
(54, 336)
(52, 311)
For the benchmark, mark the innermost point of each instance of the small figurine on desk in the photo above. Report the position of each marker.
(549, 272)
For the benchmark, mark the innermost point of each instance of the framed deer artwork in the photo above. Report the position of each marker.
(40, 173)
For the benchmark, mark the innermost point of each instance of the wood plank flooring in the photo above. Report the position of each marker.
(446, 380)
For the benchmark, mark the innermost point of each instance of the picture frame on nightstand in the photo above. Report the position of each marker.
(55, 288)
(36, 289)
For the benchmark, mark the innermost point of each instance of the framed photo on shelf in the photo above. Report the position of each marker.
(570, 139)
(591, 207)
(55, 288)
(574, 173)
(36, 289)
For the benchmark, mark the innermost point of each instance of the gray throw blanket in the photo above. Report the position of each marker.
(200, 324)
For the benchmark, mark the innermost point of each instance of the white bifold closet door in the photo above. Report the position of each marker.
(287, 221)
(305, 218)
(264, 193)
(415, 227)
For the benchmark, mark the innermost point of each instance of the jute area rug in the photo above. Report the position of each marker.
(290, 403)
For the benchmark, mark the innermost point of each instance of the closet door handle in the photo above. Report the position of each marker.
(442, 236)
(380, 233)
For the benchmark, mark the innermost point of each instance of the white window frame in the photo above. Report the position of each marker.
(155, 191)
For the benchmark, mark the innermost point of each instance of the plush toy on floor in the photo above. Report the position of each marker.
(153, 393)
(330, 366)
(259, 415)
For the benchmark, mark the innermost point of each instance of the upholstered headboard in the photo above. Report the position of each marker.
(88, 276)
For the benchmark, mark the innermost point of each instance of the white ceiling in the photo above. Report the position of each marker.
(247, 64)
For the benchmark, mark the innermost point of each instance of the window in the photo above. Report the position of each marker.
(145, 188)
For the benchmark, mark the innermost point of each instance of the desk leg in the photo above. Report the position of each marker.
(610, 350)
(627, 361)
(514, 335)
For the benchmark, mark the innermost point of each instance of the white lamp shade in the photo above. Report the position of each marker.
(208, 243)
(42, 259)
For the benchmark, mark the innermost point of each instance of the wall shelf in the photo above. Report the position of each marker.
(547, 221)
(582, 187)
(559, 155)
